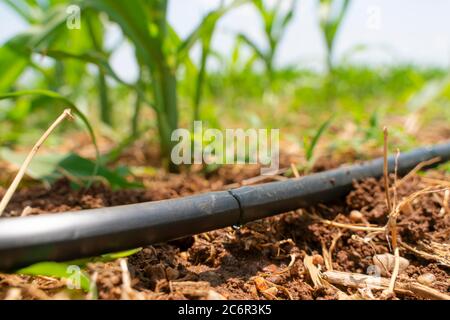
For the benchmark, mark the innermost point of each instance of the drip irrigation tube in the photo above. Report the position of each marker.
(65, 236)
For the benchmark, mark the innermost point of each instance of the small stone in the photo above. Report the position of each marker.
(271, 268)
(184, 255)
(172, 273)
(26, 211)
(272, 291)
(356, 216)
(386, 262)
(155, 272)
(213, 295)
(426, 279)
(275, 279)
(317, 259)
(13, 294)
(260, 284)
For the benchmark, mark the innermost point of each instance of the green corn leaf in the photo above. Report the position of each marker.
(50, 167)
(66, 270)
(58, 270)
(104, 257)
(44, 34)
(253, 46)
(141, 22)
(282, 21)
(118, 255)
(101, 61)
(444, 167)
(11, 66)
(67, 103)
(205, 28)
(133, 20)
(330, 21)
(80, 167)
(23, 9)
(428, 93)
(41, 168)
(289, 15)
(323, 127)
(94, 57)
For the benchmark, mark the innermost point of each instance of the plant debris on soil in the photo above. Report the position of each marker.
(282, 257)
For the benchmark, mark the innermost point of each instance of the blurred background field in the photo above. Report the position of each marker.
(141, 69)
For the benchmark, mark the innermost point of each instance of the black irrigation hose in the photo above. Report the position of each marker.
(65, 236)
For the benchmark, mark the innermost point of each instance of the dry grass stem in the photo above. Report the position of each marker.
(314, 272)
(439, 252)
(438, 182)
(428, 256)
(328, 253)
(353, 227)
(416, 169)
(295, 171)
(445, 202)
(12, 188)
(395, 272)
(327, 257)
(290, 265)
(92, 289)
(261, 178)
(386, 169)
(357, 280)
(396, 177)
(126, 280)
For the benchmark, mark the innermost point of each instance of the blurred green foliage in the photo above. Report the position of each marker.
(72, 67)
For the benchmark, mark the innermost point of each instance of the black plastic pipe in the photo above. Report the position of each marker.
(65, 236)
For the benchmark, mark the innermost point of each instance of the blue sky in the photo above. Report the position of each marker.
(392, 31)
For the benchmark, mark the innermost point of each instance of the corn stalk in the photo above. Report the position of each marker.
(331, 15)
(275, 23)
(160, 52)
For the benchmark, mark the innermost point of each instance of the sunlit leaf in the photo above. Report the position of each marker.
(315, 139)
(11, 67)
(58, 270)
(65, 103)
(50, 167)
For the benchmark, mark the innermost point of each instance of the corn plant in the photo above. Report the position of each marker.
(14, 59)
(47, 34)
(311, 145)
(331, 15)
(160, 52)
(144, 23)
(210, 23)
(96, 32)
(275, 22)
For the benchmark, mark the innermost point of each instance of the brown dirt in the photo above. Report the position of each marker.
(249, 263)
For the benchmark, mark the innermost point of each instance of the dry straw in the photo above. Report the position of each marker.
(23, 168)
